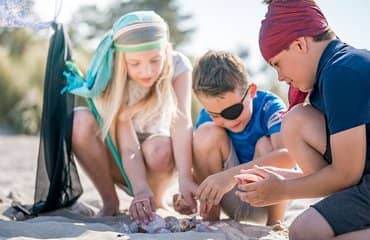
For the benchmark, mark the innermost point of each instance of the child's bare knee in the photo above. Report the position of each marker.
(206, 136)
(292, 119)
(84, 128)
(310, 225)
(158, 157)
(296, 231)
(263, 146)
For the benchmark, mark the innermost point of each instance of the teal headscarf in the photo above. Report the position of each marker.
(133, 32)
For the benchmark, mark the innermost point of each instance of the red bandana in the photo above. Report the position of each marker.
(285, 21)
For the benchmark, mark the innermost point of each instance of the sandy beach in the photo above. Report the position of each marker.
(18, 156)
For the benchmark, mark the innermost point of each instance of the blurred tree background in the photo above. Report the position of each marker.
(23, 55)
(86, 26)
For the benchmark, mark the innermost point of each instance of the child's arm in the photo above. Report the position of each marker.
(181, 135)
(348, 151)
(222, 182)
(349, 155)
(130, 150)
(284, 172)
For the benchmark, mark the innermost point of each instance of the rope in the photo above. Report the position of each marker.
(57, 9)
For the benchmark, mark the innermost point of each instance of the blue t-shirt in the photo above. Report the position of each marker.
(265, 120)
(342, 89)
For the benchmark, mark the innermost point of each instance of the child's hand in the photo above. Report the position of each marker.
(212, 189)
(204, 208)
(187, 204)
(181, 206)
(267, 190)
(142, 208)
(245, 178)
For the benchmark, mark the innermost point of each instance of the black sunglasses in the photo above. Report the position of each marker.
(234, 111)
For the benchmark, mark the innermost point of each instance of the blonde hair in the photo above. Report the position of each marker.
(159, 99)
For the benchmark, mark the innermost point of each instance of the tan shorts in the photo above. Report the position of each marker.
(146, 136)
(236, 208)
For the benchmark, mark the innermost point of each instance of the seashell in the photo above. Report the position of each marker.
(179, 202)
(167, 225)
(200, 227)
(194, 221)
(185, 225)
(134, 228)
(156, 224)
(124, 228)
(279, 226)
(175, 228)
(172, 224)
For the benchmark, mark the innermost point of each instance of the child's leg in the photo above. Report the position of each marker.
(94, 158)
(159, 164)
(304, 135)
(263, 146)
(210, 149)
(276, 213)
(310, 225)
(344, 214)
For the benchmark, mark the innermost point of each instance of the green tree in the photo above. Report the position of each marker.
(15, 41)
(87, 26)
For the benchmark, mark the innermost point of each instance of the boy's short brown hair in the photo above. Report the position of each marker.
(218, 72)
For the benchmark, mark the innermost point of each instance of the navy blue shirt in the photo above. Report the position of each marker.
(342, 88)
(265, 120)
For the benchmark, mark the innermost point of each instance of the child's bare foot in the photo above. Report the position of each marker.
(109, 209)
(106, 212)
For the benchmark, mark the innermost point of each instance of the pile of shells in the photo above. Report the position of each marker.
(168, 224)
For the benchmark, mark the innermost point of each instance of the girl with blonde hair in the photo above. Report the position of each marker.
(142, 90)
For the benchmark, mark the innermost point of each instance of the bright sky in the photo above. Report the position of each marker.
(233, 23)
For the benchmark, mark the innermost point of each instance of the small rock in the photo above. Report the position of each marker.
(279, 227)
(125, 229)
(172, 224)
(200, 227)
(134, 228)
(185, 225)
(156, 224)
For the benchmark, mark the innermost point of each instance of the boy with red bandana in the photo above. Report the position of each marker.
(329, 138)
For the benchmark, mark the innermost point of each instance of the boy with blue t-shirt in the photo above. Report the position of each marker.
(237, 129)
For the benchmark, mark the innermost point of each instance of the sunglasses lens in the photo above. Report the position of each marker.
(232, 112)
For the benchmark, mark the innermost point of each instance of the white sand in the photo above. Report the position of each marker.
(18, 156)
